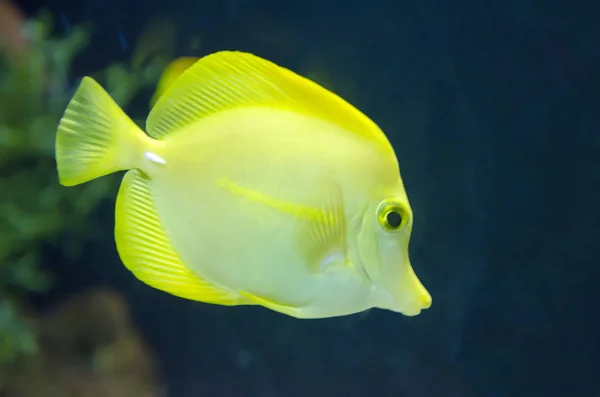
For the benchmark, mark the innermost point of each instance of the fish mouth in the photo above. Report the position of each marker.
(407, 307)
(422, 302)
(408, 310)
(411, 313)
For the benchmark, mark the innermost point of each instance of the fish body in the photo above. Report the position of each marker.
(254, 175)
(253, 186)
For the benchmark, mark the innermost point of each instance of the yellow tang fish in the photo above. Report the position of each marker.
(254, 186)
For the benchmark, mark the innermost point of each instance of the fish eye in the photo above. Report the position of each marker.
(393, 219)
(392, 216)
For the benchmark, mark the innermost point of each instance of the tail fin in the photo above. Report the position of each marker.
(95, 137)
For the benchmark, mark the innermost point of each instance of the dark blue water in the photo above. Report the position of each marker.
(493, 109)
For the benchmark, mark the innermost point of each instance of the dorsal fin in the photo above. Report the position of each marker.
(231, 79)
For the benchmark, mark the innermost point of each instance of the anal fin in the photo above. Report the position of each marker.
(147, 252)
(269, 304)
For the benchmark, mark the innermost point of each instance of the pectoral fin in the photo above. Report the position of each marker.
(321, 237)
(320, 225)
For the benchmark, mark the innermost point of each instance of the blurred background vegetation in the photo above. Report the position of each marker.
(492, 108)
(36, 214)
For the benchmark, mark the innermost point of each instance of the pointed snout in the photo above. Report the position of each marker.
(423, 296)
(415, 296)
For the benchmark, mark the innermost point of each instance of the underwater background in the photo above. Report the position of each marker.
(493, 108)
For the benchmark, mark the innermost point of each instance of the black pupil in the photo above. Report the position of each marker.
(393, 219)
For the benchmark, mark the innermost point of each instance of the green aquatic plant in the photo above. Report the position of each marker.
(35, 211)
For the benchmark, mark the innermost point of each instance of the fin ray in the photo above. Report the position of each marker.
(146, 251)
(170, 74)
(231, 79)
(321, 239)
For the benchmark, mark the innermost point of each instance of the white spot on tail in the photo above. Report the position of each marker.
(155, 158)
